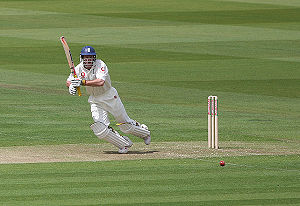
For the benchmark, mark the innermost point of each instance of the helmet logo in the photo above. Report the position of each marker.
(89, 49)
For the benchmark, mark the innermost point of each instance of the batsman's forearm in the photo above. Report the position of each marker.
(94, 83)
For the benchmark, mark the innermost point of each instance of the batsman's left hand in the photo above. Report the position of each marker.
(72, 90)
(76, 82)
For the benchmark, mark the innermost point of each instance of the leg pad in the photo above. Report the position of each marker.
(103, 132)
(135, 130)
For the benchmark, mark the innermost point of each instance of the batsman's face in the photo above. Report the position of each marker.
(88, 61)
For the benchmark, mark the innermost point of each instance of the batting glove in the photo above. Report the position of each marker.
(72, 90)
(77, 82)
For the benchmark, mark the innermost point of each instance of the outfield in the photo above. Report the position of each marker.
(164, 58)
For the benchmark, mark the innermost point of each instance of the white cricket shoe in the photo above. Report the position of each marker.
(125, 149)
(147, 140)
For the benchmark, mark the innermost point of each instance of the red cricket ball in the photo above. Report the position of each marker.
(222, 163)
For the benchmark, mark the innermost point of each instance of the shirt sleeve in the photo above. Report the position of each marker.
(70, 77)
(102, 71)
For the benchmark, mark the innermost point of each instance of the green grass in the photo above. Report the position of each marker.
(218, 17)
(165, 58)
(255, 180)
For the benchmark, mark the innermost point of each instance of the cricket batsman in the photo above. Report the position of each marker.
(93, 74)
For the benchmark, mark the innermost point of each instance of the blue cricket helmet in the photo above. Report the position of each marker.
(88, 63)
(88, 50)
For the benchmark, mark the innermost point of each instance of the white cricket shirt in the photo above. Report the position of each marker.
(99, 71)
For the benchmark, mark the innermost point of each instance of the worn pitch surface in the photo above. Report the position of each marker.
(162, 150)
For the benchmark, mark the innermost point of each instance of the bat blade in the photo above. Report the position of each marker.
(70, 59)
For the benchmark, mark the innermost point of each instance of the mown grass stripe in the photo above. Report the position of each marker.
(218, 17)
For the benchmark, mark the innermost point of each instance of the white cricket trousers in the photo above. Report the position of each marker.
(108, 102)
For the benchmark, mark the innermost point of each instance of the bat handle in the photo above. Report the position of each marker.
(79, 92)
(74, 74)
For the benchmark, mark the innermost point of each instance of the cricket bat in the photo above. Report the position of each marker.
(70, 59)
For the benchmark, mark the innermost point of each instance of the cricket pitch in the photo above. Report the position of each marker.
(157, 150)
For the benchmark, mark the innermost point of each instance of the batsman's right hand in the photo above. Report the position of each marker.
(72, 89)
(76, 82)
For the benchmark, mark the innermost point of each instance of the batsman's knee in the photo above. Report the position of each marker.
(100, 129)
(107, 133)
